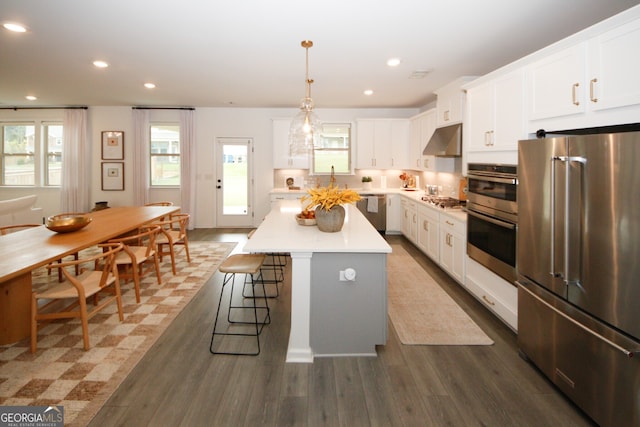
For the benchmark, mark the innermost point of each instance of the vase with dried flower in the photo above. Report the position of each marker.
(328, 202)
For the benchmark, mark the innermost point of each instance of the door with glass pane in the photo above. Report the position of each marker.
(234, 182)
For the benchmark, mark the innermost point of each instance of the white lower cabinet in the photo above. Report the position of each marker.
(428, 232)
(409, 219)
(453, 242)
(498, 295)
(394, 214)
(440, 236)
(275, 198)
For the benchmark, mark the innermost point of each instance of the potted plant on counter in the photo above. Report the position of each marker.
(366, 182)
(328, 202)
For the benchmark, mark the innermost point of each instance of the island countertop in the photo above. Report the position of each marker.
(280, 232)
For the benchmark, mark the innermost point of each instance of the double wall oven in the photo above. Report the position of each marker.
(492, 218)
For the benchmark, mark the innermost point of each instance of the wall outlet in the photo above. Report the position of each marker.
(347, 275)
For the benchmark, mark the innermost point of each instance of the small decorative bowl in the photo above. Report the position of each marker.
(66, 223)
(305, 221)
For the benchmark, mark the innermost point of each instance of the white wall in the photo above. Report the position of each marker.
(211, 123)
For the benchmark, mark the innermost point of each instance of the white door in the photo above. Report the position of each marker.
(234, 182)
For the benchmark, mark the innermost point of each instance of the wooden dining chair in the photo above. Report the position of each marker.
(15, 228)
(139, 249)
(173, 232)
(166, 217)
(75, 291)
(159, 204)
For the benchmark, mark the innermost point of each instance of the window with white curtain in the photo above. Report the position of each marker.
(31, 153)
(165, 155)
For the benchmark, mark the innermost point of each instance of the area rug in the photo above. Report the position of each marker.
(62, 373)
(421, 311)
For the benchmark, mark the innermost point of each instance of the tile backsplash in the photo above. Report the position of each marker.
(448, 183)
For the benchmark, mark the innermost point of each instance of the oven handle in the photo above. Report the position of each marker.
(492, 178)
(503, 224)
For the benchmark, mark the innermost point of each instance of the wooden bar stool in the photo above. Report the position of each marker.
(249, 265)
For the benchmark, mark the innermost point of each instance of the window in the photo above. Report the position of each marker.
(52, 134)
(334, 150)
(31, 154)
(165, 155)
(18, 154)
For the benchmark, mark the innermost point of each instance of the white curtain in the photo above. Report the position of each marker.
(74, 193)
(141, 147)
(188, 164)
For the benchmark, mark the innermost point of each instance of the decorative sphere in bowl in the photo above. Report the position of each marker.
(66, 223)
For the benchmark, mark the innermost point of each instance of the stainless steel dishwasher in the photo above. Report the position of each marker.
(374, 208)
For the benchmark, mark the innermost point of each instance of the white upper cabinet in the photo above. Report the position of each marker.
(382, 143)
(593, 83)
(614, 68)
(556, 84)
(282, 158)
(496, 114)
(422, 127)
(449, 105)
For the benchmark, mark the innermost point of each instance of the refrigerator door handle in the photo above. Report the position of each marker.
(628, 353)
(568, 279)
(552, 205)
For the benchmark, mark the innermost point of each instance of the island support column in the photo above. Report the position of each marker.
(299, 350)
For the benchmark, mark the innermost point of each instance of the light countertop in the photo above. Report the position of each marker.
(459, 214)
(280, 232)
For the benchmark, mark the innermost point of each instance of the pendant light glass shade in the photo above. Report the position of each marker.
(306, 129)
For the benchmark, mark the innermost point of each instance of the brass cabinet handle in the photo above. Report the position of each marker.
(484, 297)
(574, 93)
(592, 90)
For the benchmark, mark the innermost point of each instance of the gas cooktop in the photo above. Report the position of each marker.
(443, 202)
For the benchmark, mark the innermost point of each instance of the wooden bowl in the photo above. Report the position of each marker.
(66, 223)
(305, 221)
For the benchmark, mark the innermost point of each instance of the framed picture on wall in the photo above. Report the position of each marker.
(113, 176)
(112, 145)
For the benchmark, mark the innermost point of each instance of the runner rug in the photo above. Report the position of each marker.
(421, 311)
(62, 373)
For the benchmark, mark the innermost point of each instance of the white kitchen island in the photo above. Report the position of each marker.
(331, 315)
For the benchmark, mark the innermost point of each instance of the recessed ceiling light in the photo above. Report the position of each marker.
(368, 92)
(393, 62)
(15, 27)
(100, 64)
(149, 85)
(31, 97)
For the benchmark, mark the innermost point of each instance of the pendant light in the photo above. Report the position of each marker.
(305, 130)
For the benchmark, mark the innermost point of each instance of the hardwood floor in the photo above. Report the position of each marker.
(180, 383)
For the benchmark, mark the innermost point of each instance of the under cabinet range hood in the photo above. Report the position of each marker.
(445, 142)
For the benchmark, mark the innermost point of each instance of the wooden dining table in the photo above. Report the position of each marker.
(26, 250)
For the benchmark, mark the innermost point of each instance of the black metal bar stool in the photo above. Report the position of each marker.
(249, 265)
(275, 262)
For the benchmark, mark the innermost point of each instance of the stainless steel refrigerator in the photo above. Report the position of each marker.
(578, 262)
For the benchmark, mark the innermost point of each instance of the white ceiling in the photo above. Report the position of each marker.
(208, 53)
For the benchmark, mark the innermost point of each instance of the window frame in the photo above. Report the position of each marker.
(161, 155)
(348, 150)
(40, 173)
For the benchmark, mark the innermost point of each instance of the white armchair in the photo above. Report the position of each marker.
(20, 211)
